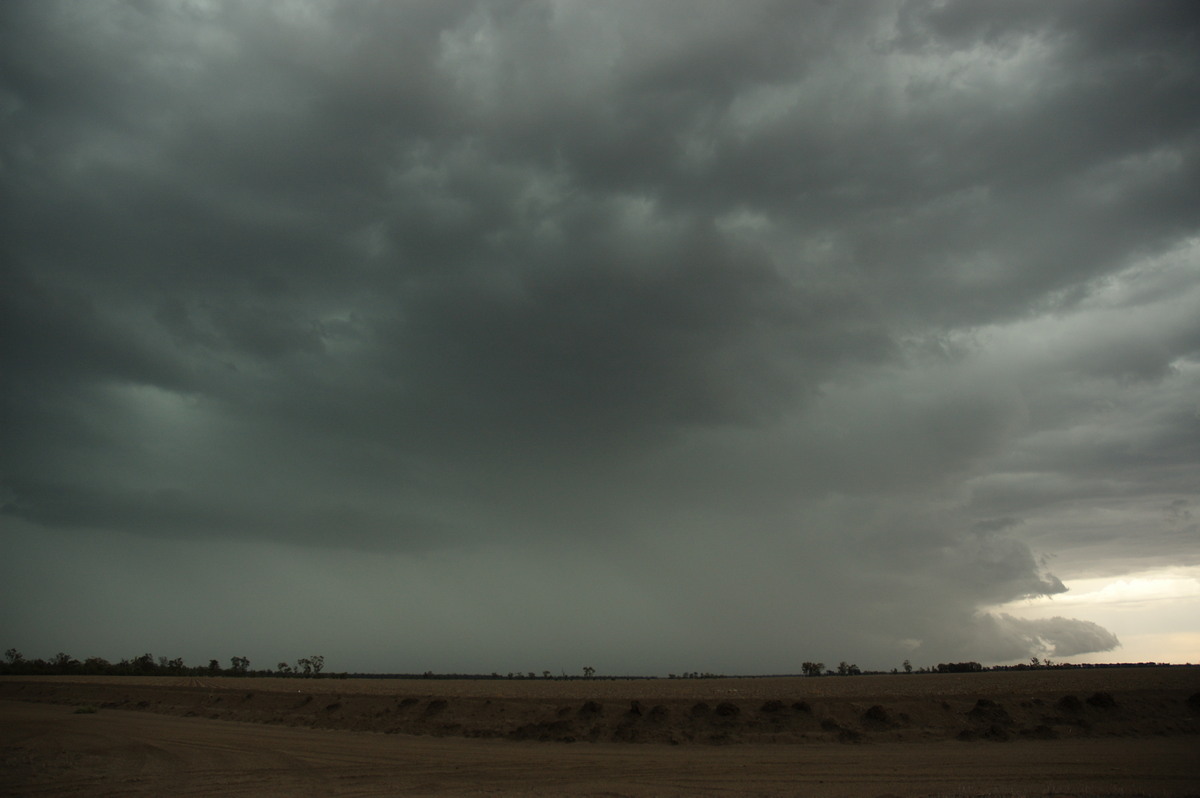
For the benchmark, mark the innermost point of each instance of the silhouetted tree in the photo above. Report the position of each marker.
(97, 665)
(959, 667)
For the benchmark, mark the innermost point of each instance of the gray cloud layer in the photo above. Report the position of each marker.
(784, 328)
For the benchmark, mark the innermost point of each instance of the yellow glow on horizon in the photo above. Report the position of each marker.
(1156, 614)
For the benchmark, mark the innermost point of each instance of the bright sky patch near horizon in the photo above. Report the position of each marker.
(652, 337)
(1153, 613)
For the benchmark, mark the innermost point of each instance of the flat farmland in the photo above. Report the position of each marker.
(897, 685)
(1104, 731)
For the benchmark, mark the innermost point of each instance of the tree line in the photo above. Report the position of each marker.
(63, 664)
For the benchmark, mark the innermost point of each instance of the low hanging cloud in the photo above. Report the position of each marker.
(786, 330)
(1011, 638)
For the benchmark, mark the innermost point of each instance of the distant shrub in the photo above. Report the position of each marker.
(989, 712)
(727, 710)
(590, 708)
(1069, 703)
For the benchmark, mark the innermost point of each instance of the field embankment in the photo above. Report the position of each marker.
(994, 706)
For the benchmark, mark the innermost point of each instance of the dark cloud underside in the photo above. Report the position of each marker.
(728, 308)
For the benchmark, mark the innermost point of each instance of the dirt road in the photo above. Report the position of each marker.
(49, 750)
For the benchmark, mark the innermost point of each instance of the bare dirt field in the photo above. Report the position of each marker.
(1101, 732)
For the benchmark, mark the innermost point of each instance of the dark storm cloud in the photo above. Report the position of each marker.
(728, 305)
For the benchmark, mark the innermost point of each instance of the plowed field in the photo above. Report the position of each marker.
(1071, 732)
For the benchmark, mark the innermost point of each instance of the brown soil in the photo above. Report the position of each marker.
(1084, 732)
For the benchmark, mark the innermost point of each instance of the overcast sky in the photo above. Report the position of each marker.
(648, 336)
